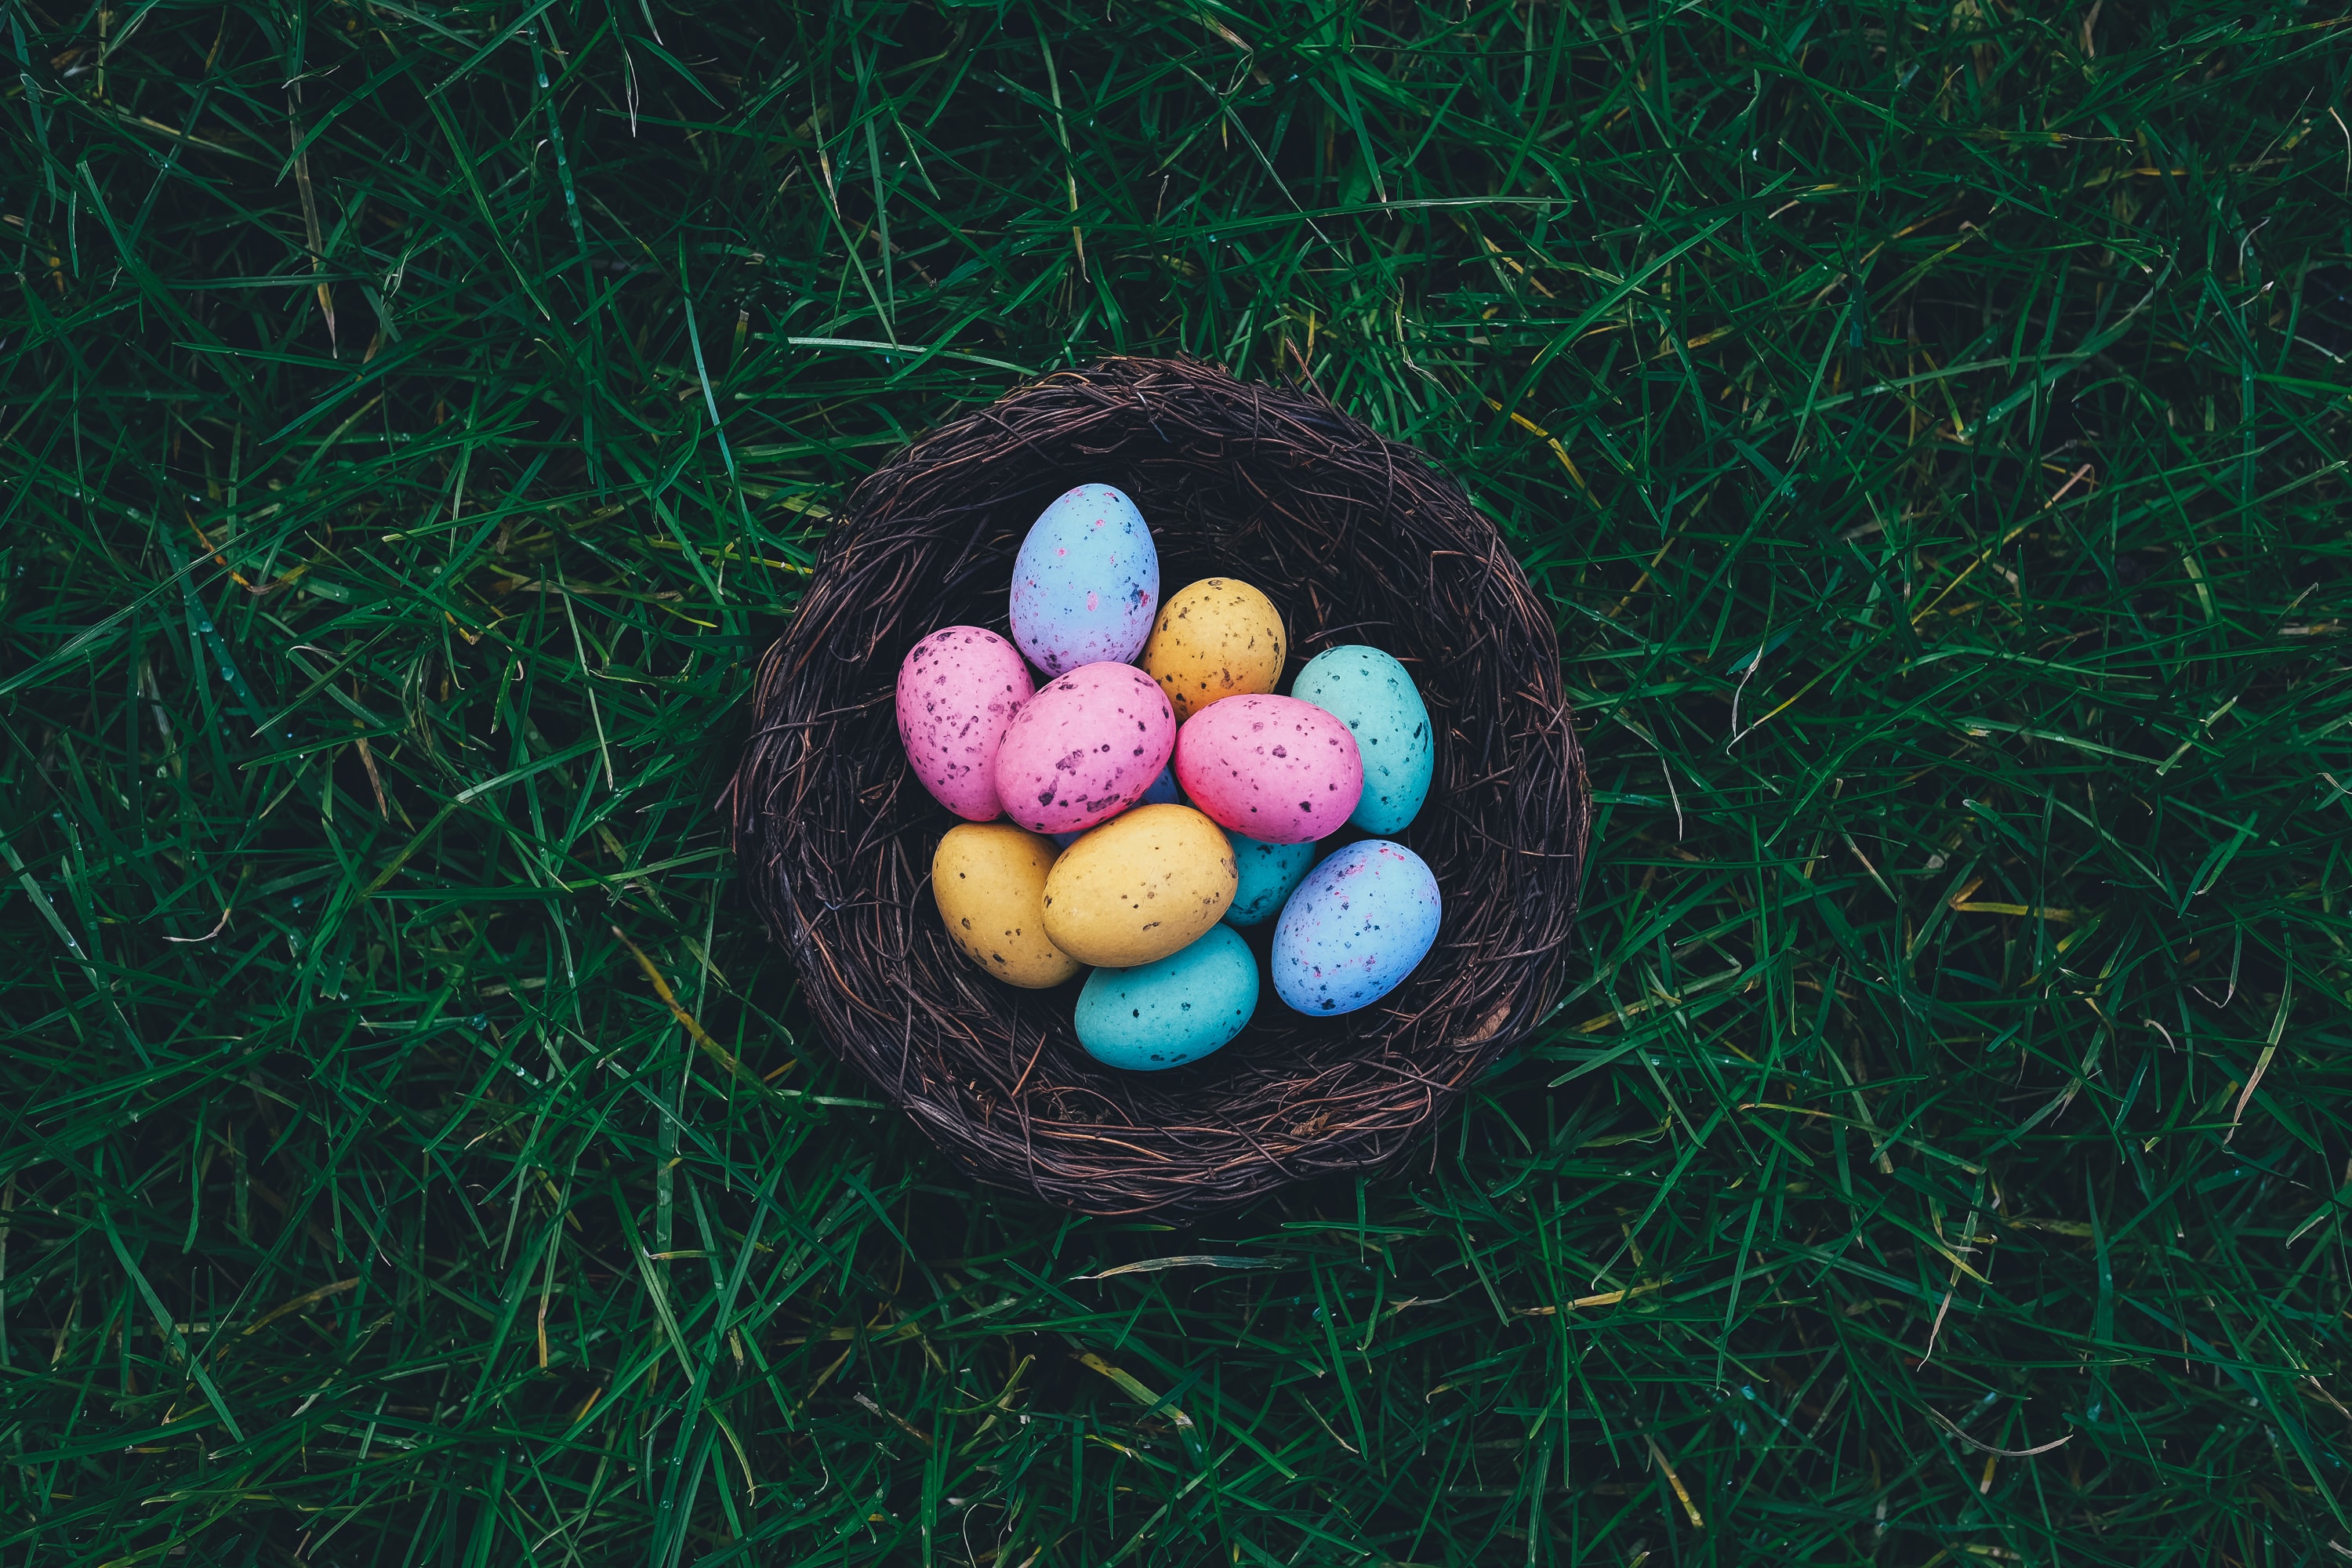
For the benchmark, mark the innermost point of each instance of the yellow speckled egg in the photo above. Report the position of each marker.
(1220, 637)
(1143, 885)
(989, 878)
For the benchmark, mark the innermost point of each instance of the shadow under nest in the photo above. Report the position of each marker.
(1356, 539)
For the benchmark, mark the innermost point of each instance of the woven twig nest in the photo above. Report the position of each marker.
(1356, 539)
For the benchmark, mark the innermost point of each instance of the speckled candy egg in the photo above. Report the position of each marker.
(1355, 928)
(1084, 749)
(1218, 638)
(958, 690)
(989, 880)
(1277, 769)
(1086, 583)
(1137, 889)
(1269, 873)
(1177, 1010)
(1370, 692)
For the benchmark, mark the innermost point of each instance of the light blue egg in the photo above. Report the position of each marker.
(1087, 581)
(1269, 873)
(1162, 791)
(1355, 928)
(1370, 692)
(1177, 1010)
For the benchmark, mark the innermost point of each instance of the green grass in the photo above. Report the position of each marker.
(1947, 527)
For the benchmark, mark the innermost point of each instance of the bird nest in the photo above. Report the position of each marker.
(1356, 539)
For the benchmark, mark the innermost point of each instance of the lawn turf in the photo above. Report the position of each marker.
(1929, 422)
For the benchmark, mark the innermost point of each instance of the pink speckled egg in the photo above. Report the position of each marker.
(958, 692)
(1086, 747)
(1275, 768)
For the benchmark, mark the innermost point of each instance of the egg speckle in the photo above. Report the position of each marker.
(1086, 583)
(1173, 1010)
(958, 692)
(1355, 928)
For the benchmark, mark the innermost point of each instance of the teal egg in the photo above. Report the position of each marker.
(1177, 1010)
(1371, 693)
(1268, 872)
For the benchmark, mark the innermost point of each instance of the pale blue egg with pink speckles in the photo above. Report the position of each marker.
(1355, 929)
(1087, 581)
(1270, 873)
(1175, 1010)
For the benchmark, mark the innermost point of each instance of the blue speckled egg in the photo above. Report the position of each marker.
(1162, 792)
(1355, 928)
(1269, 873)
(1087, 582)
(1177, 1010)
(1370, 692)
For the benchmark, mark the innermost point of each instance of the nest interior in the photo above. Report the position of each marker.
(1354, 537)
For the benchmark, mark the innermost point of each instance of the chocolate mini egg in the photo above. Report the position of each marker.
(958, 690)
(1218, 638)
(1371, 693)
(989, 880)
(1269, 873)
(1139, 889)
(1277, 769)
(1084, 749)
(1355, 928)
(1172, 1011)
(1086, 583)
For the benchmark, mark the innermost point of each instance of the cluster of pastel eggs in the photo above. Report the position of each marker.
(1156, 797)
